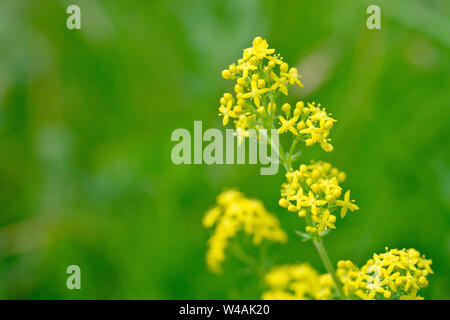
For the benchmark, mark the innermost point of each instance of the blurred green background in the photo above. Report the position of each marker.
(86, 118)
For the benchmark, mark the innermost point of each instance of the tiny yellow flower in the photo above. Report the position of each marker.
(297, 282)
(346, 204)
(279, 83)
(287, 125)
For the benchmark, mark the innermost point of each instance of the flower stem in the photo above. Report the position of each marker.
(329, 266)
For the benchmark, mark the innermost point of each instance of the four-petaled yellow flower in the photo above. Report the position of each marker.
(226, 112)
(287, 125)
(279, 82)
(346, 204)
(311, 201)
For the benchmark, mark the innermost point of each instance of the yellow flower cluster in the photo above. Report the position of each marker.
(233, 213)
(297, 282)
(311, 122)
(261, 78)
(395, 274)
(313, 192)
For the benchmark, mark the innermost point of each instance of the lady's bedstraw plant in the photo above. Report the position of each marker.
(313, 191)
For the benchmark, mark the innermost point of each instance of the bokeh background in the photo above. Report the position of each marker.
(86, 118)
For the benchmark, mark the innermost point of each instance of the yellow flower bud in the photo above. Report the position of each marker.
(301, 125)
(257, 40)
(283, 203)
(292, 208)
(423, 282)
(315, 188)
(241, 82)
(328, 124)
(226, 74)
(286, 108)
(337, 192)
(341, 176)
(237, 109)
(260, 110)
(284, 67)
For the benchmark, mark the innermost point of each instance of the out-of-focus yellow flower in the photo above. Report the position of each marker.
(314, 191)
(297, 282)
(234, 213)
(395, 274)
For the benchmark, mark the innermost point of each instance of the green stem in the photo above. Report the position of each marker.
(286, 162)
(294, 143)
(329, 266)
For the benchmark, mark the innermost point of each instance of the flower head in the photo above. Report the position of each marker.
(395, 274)
(260, 75)
(297, 282)
(235, 213)
(313, 191)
